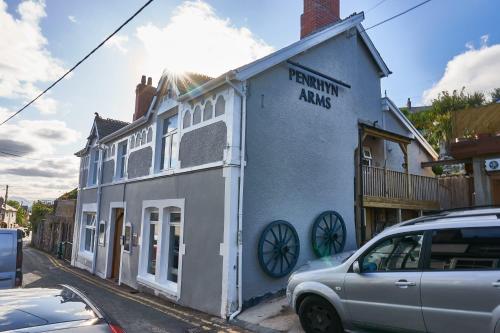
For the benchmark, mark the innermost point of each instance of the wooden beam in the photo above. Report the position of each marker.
(380, 133)
(376, 202)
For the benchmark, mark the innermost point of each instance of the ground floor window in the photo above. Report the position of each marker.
(161, 246)
(89, 225)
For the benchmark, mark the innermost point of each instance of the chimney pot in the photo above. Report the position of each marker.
(150, 81)
(317, 15)
(408, 104)
(143, 79)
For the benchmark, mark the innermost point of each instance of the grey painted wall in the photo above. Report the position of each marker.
(108, 171)
(203, 230)
(203, 145)
(139, 162)
(300, 157)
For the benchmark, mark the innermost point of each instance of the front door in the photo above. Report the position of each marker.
(461, 285)
(385, 295)
(117, 244)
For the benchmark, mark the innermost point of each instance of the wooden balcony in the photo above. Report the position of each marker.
(384, 188)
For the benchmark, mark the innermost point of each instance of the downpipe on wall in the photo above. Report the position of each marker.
(243, 95)
(101, 148)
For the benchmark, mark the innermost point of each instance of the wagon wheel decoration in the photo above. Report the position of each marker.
(328, 234)
(279, 249)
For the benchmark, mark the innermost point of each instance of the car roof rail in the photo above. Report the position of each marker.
(457, 209)
(443, 216)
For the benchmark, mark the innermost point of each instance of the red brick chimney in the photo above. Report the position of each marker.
(144, 94)
(318, 14)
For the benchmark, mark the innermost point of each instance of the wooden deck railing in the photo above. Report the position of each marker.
(385, 183)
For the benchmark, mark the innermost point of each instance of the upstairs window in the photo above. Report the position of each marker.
(208, 111)
(121, 159)
(169, 143)
(94, 166)
(197, 115)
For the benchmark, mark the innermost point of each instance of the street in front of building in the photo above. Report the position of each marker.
(134, 311)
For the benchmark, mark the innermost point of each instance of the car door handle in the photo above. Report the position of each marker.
(405, 284)
(496, 284)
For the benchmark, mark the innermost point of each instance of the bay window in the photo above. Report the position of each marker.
(169, 143)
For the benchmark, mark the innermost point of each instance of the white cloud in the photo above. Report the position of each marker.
(25, 60)
(72, 19)
(118, 42)
(475, 69)
(41, 171)
(197, 39)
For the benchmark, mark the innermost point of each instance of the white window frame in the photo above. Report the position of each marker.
(86, 209)
(119, 162)
(169, 135)
(159, 280)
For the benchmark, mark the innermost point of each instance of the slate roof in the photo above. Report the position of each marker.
(190, 81)
(106, 126)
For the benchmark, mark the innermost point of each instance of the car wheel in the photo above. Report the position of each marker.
(318, 316)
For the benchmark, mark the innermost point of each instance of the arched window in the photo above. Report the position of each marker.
(186, 121)
(113, 150)
(150, 134)
(208, 111)
(132, 142)
(143, 137)
(220, 106)
(197, 115)
(138, 139)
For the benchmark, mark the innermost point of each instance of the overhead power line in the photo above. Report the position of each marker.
(398, 15)
(372, 8)
(78, 63)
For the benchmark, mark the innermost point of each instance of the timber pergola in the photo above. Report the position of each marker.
(366, 130)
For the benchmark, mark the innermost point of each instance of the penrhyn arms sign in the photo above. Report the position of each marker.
(318, 88)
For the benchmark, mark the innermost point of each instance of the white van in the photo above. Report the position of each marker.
(11, 258)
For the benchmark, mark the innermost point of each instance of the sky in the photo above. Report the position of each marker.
(443, 45)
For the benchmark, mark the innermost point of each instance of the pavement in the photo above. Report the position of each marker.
(134, 311)
(270, 316)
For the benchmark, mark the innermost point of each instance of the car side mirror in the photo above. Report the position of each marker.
(355, 267)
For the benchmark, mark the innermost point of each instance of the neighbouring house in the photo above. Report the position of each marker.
(220, 187)
(55, 232)
(7, 215)
(476, 146)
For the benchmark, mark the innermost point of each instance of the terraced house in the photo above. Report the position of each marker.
(220, 187)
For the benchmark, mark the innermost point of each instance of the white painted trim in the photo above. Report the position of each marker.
(373, 50)
(165, 285)
(110, 238)
(166, 173)
(260, 65)
(407, 123)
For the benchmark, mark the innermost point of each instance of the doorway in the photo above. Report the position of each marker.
(117, 244)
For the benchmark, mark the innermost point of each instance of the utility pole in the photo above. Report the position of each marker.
(3, 209)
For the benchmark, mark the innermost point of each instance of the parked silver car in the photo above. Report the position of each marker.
(11, 258)
(437, 274)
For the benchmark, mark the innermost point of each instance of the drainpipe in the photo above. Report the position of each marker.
(243, 95)
(100, 148)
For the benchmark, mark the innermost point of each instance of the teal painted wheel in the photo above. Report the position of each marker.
(279, 249)
(328, 234)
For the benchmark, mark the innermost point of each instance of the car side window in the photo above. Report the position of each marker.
(398, 253)
(466, 249)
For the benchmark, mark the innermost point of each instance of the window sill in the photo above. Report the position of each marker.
(168, 288)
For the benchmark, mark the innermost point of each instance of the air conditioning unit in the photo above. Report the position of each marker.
(492, 165)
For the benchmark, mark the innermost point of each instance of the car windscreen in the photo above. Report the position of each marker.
(23, 308)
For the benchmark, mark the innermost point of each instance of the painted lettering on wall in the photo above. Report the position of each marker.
(318, 92)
